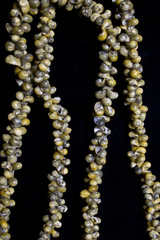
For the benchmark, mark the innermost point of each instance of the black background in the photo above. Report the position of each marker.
(74, 72)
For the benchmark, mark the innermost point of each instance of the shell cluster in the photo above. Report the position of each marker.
(33, 74)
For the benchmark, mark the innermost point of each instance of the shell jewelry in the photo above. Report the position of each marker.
(32, 72)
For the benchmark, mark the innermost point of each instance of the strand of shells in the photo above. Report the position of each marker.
(34, 78)
(27, 75)
(133, 74)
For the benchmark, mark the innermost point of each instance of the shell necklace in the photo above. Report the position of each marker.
(33, 79)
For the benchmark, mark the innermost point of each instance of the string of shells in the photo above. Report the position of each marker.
(33, 77)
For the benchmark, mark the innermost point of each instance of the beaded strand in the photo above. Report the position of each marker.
(20, 23)
(59, 117)
(133, 73)
(57, 185)
(34, 78)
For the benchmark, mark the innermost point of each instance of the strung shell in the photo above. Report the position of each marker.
(111, 94)
(98, 108)
(10, 59)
